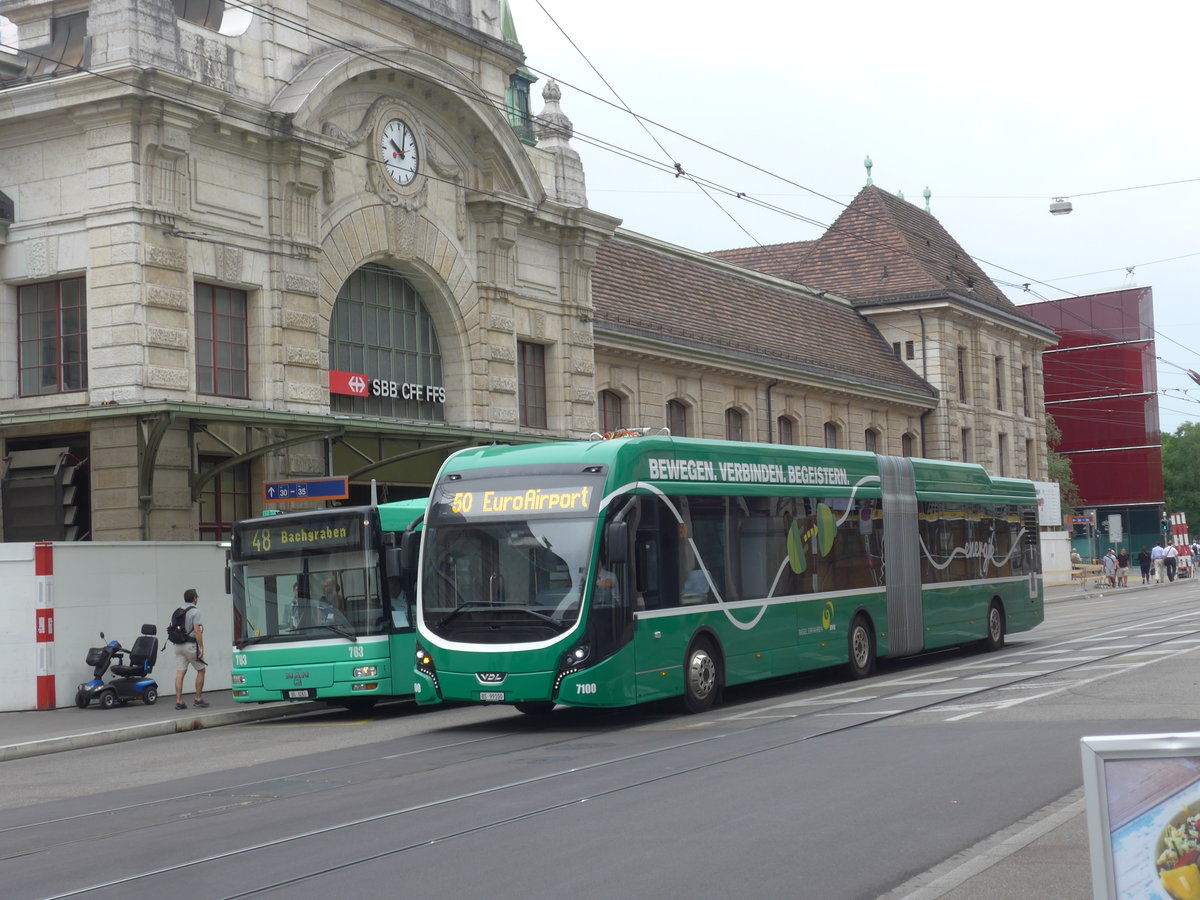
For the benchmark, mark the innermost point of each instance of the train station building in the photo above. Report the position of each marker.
(235, 252)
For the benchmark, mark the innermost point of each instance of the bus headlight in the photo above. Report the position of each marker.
(366, 672)
(425, 667)
(577, 656)
(573, 660)
(238, 679)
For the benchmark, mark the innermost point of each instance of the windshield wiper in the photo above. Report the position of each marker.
(346, 634)
(470, 604)
(474, 604)
(259, 639)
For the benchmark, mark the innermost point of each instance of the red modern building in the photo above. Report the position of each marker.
(1102, 390)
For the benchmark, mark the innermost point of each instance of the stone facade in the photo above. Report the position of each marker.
(253, 164)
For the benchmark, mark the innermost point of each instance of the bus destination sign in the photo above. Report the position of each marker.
(325, 533)
(524, 502)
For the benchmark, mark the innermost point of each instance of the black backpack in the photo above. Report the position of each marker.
(177, 630)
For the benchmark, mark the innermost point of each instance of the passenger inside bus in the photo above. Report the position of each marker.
(401, 603)
(695, 588)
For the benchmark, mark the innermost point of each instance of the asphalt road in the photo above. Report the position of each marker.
(810, 787)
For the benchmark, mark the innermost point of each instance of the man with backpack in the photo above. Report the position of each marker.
(190, 651)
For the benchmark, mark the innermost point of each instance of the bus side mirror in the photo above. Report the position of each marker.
(410, 545)
(616, 537)
(391, 562)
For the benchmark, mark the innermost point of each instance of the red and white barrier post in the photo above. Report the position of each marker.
(43, 570)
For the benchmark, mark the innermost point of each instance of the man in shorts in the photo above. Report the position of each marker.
(191, 651)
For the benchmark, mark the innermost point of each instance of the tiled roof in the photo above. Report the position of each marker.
(643, 287)
(882, 247)
(780, 260)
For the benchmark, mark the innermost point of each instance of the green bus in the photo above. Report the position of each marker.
(616, 572)
(322, 608)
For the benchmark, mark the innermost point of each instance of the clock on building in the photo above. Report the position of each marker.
(398, 152)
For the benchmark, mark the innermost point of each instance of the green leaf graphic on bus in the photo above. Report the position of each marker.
(796, 553)
(826, 528)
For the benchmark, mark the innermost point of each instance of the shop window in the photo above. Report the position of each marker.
(999, 383)
(787, 430)
(677, 418)
(224, 499)
(735, 425)
(610, 412)
(832, 436)
(52, 337)
(221, 352)
(531, 384)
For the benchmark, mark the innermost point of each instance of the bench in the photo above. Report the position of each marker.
(1085, 572)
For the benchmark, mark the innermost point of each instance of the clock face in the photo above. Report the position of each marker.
(398, 150)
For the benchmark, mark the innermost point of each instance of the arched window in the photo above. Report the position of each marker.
(677, 418)
(610, 411)
(831, 435)
(871, 440)
(906, 445)
(787, 430)
(734, 425)
(382, 331)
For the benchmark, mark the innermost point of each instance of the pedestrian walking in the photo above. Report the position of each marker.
(1171, 560)
(1110, 567)
(1144, 561)
(1156, 557)
(191, 651)
(1122, 568)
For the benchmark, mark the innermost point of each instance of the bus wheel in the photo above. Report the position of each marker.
(862, 648)
(701, 677)
(995, 628)
(535, 707)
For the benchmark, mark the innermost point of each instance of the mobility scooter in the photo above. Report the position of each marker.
(132, 681)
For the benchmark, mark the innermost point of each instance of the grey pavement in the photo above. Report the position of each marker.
(38, 732)
(1048, 848)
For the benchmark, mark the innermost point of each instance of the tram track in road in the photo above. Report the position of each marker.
(967, 680)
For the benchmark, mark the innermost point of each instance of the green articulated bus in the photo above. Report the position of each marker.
(323, 609)
(615, 572)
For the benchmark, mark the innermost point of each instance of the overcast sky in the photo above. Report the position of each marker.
(998, 110)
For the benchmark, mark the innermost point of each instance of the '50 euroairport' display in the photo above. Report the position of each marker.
(608, 573)
(323, 608)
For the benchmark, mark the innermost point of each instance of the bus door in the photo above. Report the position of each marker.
(906, 616)
(659, 645)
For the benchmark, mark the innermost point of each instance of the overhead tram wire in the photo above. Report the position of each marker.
(373, 56)
(317, 139)
(679, 171)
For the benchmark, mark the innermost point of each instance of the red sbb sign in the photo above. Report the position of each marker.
(355, 384)
(350, 383)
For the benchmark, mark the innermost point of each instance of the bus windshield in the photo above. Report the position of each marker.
(316, 578)
(505, 561)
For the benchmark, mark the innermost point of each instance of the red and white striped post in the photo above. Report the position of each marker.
(43, 570)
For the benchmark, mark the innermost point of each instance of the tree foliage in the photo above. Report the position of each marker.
(1059, 468)
(1181, 473)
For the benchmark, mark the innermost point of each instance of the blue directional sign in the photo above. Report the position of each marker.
(294, 491)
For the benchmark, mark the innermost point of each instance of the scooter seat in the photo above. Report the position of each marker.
(142, 657)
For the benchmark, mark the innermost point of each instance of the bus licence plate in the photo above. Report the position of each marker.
(306, 694)
(494, 696)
